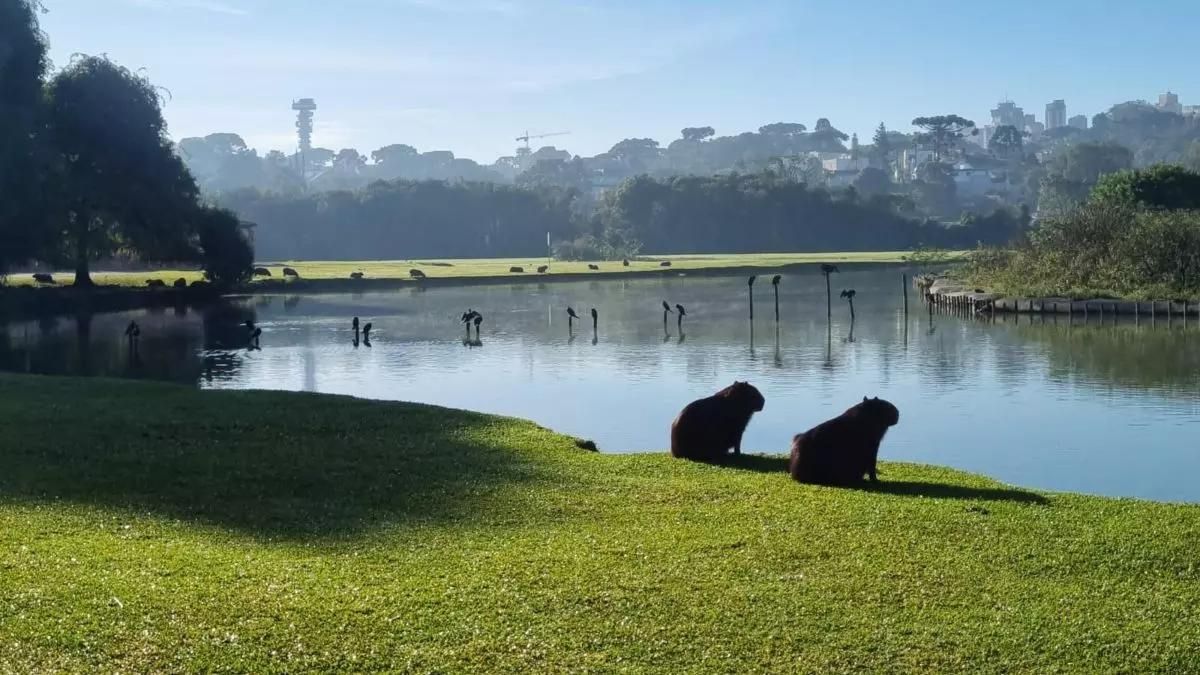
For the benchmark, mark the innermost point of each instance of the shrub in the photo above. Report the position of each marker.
(227, 255)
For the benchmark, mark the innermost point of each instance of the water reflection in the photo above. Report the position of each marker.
(1060, 406)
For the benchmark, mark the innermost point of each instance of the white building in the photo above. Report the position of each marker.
(1079, 122)
(972, 182)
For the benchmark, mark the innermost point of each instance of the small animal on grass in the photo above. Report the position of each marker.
(262, 272)
(542, 269)
(625, 263)
(156, 283)
(706, 429)
(289, 272)
(198, 284)
(844, 449)
(356, 275)
(594, 268)
(665, 263)
(180, 283)
(416, 273)
(516, 270)
(43, 278)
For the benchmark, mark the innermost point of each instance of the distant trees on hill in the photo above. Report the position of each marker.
(684, 214)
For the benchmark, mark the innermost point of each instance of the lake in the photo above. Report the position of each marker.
(1103, 408)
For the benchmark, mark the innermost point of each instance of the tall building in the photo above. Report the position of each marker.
(1169, 102)
(1056, 114)
(1007, 113)
(1079, 122)
(304, 127)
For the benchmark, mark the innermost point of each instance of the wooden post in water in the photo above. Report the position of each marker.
(1085, 311)
(904, 291)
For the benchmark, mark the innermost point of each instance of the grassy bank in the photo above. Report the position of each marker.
(147, 527)
(493, 267)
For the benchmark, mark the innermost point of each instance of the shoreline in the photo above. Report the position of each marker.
(954, 297)
(18, 301)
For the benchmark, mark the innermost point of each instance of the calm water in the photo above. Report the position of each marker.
(1107, 409)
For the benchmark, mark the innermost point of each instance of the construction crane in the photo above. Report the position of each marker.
(525, 138)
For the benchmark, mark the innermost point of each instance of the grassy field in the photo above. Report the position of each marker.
(451, 268)
(148, 527)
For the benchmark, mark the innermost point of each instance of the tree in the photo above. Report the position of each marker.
(636, 153)
(227, 256)
(1006, 141)
(120, 183)
(393, 156)
(942, 132)
(1087, 162)
(782, 129)
(23, 63)
(697, 133)
(883, 144)
(1164, 187)
(872, 181)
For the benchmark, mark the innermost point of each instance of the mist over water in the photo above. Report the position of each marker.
(1102, 408)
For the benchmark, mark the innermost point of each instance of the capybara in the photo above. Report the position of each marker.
(844, 449)
(416, 273)
(595, 268)
(289, 272)
(43, 278)
(665, 263)
(180, 283)
(262, 272)
(199, 284)
(625, 263)
(709, 427)
(356, 275)
(542, 269)
(155, 283)
(516, 270)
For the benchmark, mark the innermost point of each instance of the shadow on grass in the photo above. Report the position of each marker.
(950, 491)
(779, 464)
(265, 463)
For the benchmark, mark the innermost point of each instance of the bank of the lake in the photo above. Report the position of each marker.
(155, 527)
(116, 291)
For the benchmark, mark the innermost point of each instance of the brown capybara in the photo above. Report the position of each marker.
(709, 427)
(516, 270)
(844, 449)
(416, 273)
(180, 283)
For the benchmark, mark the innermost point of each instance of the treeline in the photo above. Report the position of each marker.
(406, 220)
(87, 170)
(722, 214)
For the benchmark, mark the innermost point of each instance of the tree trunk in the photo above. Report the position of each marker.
(83, 278)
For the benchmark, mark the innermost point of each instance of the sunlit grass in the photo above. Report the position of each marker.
(491, 267)
(151, 528)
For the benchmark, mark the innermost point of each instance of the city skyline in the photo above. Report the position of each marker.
(471, 76)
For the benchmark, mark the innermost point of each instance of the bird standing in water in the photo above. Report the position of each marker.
(477, 320)
(595, 320)
(366, 331)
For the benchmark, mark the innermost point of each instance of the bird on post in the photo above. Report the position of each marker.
(571, 316)
(750, 287)
(775, 283)
(682, 314)
(849, 294)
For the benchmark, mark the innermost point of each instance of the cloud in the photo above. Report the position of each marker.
(213, 6)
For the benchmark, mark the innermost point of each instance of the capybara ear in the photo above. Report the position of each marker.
(864, 399)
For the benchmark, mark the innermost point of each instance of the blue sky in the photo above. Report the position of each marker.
(470, 75)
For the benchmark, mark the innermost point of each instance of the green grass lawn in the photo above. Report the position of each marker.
(148, 527)
(491, 267)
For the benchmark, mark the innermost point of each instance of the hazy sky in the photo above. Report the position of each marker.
(470, 75)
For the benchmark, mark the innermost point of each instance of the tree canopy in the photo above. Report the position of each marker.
(941, 133)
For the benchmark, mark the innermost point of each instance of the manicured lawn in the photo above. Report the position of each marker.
(148, 527)
(451, 268)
